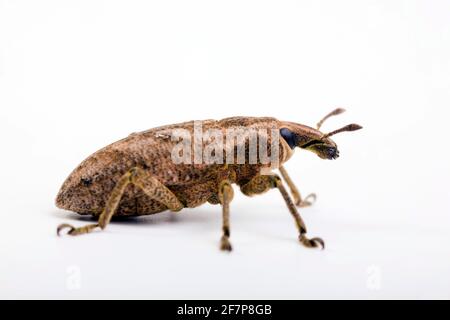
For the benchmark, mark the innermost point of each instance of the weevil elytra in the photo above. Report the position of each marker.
(142, 174)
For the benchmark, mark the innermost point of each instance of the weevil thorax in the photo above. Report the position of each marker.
(261, 140)
(304, 137)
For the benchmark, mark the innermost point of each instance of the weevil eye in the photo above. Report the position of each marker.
(289, 137)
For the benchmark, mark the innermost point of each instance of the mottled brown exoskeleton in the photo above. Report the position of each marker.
(137, 175)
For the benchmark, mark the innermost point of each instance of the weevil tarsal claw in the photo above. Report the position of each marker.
(225, 244)
(312, 243)
(77, 231)
(64, 226)
(308, 201)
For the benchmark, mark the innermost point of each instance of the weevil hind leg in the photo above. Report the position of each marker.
(263, 183)
(298, 201)
(143, 180)
(225, 196)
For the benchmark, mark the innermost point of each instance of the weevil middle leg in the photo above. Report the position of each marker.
(225, 196)
(143, 180)
(299, 202)
(263, 183)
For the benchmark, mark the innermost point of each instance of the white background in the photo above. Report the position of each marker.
(77, 75)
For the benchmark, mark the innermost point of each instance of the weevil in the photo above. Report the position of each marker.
(138, 175)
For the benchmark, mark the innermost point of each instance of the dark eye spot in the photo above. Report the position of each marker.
(289, 137)
(86, 181)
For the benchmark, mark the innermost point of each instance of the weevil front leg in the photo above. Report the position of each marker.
(143, 180)
(299, 202)
(225, 196)
(263, 183)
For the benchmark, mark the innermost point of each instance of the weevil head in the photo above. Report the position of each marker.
(307, 138)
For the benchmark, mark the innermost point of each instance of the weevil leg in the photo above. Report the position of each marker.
(225, 196)
(263, 183)
(299, 202)
(143, 180)
(156, 190)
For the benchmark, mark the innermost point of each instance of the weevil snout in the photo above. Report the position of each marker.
(335, 155)
(304, 137)
(324, 149)
(310, 139)
(331, 153)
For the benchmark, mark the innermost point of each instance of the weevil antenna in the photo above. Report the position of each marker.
(331, 114)
(350, 127)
